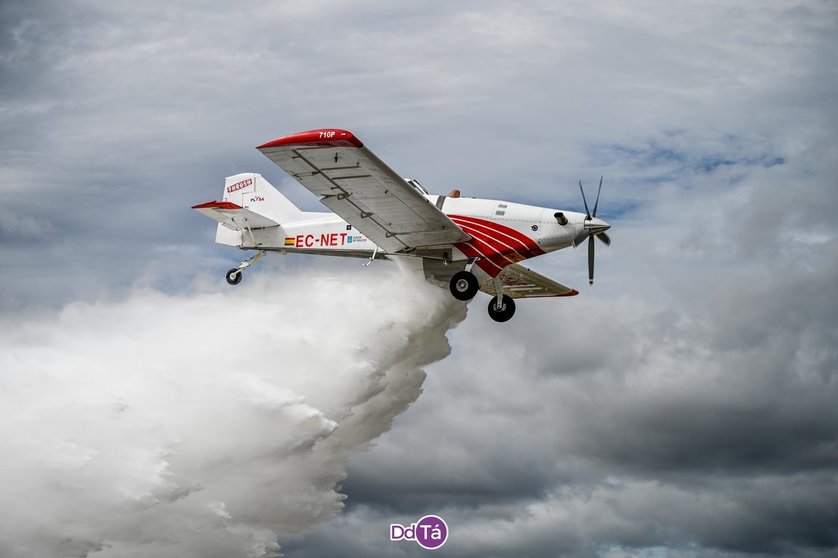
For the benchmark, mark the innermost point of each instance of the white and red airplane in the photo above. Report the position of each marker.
(470, 244)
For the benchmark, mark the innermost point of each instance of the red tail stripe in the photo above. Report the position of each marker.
(217, 205)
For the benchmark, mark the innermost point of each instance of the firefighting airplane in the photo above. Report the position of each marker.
(470, 244)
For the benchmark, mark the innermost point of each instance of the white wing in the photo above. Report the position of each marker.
(363, 190)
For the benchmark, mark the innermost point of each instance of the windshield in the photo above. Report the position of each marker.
(415, 184)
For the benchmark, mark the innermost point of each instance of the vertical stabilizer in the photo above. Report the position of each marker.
(250, 190)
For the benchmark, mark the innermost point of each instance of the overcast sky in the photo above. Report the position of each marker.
(685, 405)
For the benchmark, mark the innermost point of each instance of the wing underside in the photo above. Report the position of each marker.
(360, 188)
(521, 282)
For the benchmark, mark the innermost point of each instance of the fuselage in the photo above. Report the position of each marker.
(502, 233)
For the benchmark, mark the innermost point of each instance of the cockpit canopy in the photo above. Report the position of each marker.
(415, 184)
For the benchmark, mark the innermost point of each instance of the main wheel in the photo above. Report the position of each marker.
(505, 311)
(234, 276)
(463, 285)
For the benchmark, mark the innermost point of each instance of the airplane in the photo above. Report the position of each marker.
(470, 244)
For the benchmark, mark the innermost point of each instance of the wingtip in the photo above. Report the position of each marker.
(217, 205)
(573, 292)
(324, 137)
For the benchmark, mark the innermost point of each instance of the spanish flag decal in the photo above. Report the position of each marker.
(289, 241)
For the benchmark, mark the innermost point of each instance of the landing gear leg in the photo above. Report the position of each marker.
(234, 276)
(374, 254)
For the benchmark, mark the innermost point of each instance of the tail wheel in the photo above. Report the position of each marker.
(234, 276)
(464, 285)
(505, 311)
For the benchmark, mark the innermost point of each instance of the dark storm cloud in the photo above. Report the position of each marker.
(703, 420)
(691, 410)
(765, 516)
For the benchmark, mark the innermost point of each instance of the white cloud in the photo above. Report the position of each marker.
(204, 425)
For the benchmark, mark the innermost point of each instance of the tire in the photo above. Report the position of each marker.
(234, 276)
(463, 285)
(506, 310)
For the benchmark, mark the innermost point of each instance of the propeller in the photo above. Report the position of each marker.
(594, 228)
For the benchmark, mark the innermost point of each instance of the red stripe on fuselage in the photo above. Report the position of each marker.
(499, 236)
(500, 259)
(503, 245)
(495, 244)
(483, 262)
(528, 242)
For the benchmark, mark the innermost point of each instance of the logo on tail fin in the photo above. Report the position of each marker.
(239, 185)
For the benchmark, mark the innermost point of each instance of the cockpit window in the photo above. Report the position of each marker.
(415, 184)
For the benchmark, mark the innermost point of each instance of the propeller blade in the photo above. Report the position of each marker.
(590, 228)
(598, 190)
(587, 213)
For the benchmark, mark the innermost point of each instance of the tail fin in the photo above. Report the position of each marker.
(251, 191)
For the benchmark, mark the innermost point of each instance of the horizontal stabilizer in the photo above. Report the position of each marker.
(234, 216)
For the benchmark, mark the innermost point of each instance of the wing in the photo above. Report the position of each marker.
(521, 282)
(361, 189)
(234, 216)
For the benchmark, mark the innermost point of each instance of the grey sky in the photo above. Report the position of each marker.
(684, 405)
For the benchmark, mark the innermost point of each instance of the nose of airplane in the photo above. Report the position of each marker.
(596, 226)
